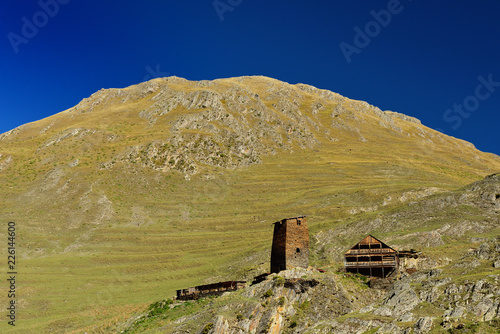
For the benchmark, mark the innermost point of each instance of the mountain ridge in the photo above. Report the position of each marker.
(282, 116)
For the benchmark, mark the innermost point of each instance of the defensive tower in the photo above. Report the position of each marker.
(290, 244)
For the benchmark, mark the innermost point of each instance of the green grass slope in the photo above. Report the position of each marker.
(136, 192)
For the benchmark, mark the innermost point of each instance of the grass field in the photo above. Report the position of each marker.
(97, 244)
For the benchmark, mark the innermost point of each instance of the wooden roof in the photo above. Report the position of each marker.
(370, 239)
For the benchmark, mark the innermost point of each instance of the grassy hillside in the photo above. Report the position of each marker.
(134, 193)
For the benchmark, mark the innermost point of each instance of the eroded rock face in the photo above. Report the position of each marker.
(295, 300)
(423, 325)
(489, 188)
(5, 160)
(400, 300)
(230, 127)
(487, 251)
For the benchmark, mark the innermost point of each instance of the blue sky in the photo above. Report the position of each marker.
(434, 60)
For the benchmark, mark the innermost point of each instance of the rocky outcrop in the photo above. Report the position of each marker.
(403, 117)
(488, 251)
(423, 325)
(306, 301)
(5, 160)
(284, 299)
(399, 301)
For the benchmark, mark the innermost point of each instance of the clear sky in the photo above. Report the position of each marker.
(438, 61)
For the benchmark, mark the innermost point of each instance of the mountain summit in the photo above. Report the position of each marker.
(137, 192)
(175, 124)
(172, 124)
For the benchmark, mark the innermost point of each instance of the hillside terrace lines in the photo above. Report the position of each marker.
(180, 241)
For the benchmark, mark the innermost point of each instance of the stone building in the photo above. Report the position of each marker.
(290, 244)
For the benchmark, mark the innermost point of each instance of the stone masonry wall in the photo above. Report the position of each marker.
(290, 244)
(297, 243)
(278, 255)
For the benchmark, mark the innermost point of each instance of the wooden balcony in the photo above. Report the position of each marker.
(370, 251)
(370, 264)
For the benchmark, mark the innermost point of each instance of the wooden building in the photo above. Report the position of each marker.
(214, 289)
(290, 244)
(371, 257)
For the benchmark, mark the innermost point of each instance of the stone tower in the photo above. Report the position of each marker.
(290, 244)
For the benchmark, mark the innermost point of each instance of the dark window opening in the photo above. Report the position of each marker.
(497, 196)
(298, 250)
